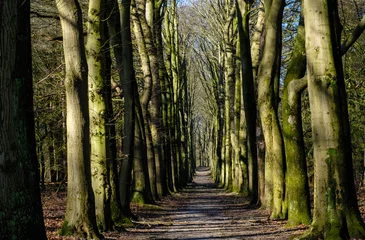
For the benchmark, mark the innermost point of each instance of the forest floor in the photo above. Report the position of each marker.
(200, 211)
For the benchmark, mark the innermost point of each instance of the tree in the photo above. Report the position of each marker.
(172, 85)
(114, 33)
(268, 82)
(98, 113)
(297, 190)
(127, 81)
(229, 78)
(20, 204)
(144, 168)
(249, 96)
(80, 210)
(336, 214)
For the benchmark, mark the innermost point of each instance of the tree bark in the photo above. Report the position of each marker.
(249, 96)
(99, 156)
(128, 81)
(20, 202)
(267, 99)
(297, 189)
(229, 77)
(114, 32)
(144, 41)
(336, 213)
(80, 210)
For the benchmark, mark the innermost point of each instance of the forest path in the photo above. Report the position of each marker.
(204, 211)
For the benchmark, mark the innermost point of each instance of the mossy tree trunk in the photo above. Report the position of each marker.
(249, 96)
(158, 103)
(144, 170)
(239, 136)
(144, 41)
(156, 98)
(336, 213)
(20, 202)
(99, 156)
(173, 93)
(267, 100)
(297, 190)
(80, 211)
(141, 190)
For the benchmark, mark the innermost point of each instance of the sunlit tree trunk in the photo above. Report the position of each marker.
(229, 76)
(267, 100)
(239, 136)
(297, 190)
(156, 98)
(336, 213)
(141, 192)
(144, 162)
(80, 210)
(20, 203)
(99, 156)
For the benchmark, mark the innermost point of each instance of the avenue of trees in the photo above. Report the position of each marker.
(120, 100)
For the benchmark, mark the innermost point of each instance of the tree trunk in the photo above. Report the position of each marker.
(156, 100)
(20, 203)
(141, 183)
(114, 32)
(80, 210)
(336, 213)
(157, 105)
(249, 96)
(128, 81)
(96, 59)
(229, 76)
(267, 76)
(256, 55)
(297, 189)
(144, 41)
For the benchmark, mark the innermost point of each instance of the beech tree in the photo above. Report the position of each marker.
(268, 83)
(336, 213)
(297, 189)
(249, 96)
(100, 155)
(20, 203)
(80, 211)
(128, 82)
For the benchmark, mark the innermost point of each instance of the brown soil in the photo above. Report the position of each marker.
(200, 211)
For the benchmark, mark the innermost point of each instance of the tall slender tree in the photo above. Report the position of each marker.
(98, 87)
(267, 101)
(128, 82)
(114, 33)
(249, 96)
(143, 39)
(297, 189)
(80, 211)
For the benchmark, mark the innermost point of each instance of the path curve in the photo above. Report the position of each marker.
(204, 211)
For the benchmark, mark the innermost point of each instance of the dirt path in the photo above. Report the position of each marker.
(203, 211)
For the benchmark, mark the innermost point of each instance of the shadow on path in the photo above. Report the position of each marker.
(204, 211)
